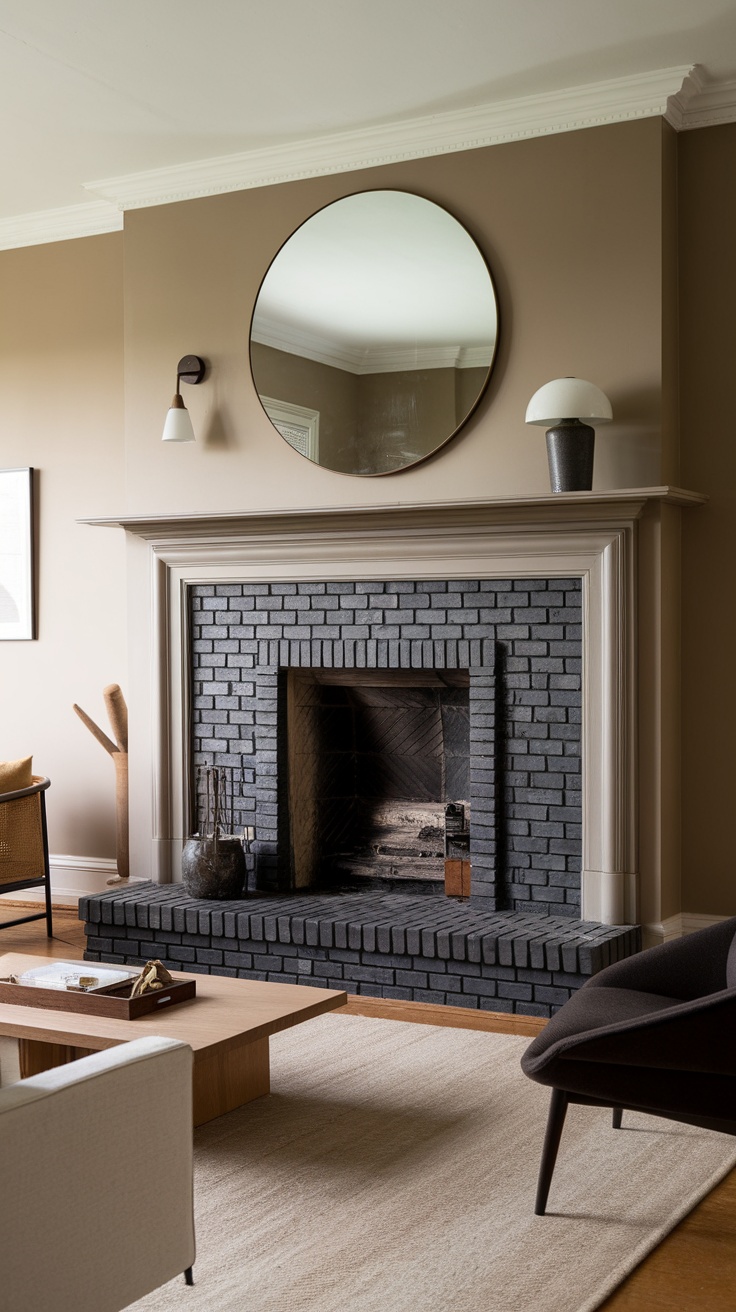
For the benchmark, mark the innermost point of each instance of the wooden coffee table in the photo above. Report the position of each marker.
(227, 1025)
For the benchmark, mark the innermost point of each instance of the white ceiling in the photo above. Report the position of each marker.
(91, 89)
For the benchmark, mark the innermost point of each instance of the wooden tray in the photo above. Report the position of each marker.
(114, 1004)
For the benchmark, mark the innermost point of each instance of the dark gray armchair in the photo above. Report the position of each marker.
(655, 1033)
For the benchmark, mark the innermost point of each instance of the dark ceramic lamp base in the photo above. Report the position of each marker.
(570, 455)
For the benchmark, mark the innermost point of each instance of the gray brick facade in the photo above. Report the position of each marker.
(521, 643)
(387, 946)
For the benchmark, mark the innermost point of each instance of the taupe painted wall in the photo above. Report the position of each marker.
(572, 228)
(61, 411)
(707, 178)
(580, 232)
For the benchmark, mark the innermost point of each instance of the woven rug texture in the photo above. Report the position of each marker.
(393, 1169)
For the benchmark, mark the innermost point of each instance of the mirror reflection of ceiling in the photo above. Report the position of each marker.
(374, 333)
(380, 281)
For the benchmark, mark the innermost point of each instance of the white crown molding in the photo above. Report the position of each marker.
(88, 220)
(702, 103)
(371, 360)
(297, 341)
(683, 95)
(643, 95)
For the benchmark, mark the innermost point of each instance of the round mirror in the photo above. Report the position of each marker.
(374, 333)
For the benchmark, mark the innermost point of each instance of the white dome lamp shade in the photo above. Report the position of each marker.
(567, 408)
(178, 425)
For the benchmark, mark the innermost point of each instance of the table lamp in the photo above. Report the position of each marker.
(567, 407)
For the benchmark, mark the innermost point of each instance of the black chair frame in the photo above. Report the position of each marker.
(650, 1034)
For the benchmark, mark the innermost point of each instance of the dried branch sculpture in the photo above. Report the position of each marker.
(117, 712)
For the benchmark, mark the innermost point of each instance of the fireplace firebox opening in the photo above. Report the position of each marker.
(379, 780)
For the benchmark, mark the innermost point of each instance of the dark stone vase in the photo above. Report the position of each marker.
(570, 449)
(213, 869)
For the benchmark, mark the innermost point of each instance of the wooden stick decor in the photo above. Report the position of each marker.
(117, 713)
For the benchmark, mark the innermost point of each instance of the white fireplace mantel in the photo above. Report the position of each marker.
(553, 508)
(591, 535)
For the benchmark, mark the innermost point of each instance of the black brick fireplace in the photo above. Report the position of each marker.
(416, 949)
(491, 671)
(513, 622)
(517, 647)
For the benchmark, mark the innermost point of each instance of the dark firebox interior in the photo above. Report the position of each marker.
(375, 760)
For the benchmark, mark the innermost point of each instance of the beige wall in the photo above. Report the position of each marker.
(61, 380)
(707, 188)
(580, 233)
(572, 228)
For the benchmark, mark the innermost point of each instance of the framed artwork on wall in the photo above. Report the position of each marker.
(17, 609)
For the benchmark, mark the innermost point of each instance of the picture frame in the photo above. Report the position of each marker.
(17, 593)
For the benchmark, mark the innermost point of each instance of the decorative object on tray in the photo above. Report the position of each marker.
(213, 860)
(153, 976)
(99, 990)
(118, 715)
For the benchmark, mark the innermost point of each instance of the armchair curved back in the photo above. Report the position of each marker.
(24, 846)
(22, 829)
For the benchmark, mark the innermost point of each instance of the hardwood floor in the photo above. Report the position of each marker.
(692, 1270)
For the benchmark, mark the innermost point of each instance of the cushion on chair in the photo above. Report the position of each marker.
(15, 775)
(623, 1027)
(22, 853)
(590, 1010)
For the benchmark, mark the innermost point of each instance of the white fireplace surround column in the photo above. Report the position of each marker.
(592, 536)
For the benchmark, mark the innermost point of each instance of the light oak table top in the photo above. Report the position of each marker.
(225, 1013)
(227, 1024)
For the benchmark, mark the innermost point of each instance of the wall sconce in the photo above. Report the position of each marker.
(570, 441)
(178, 426)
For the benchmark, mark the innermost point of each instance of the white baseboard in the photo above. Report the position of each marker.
(684, 922)
(72, 877)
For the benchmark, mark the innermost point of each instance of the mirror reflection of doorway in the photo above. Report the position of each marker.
(297, 424)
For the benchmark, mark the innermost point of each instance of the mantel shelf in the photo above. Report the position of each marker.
(551, 508)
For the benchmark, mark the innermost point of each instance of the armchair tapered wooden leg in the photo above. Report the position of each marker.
(616, 1119)
(553, 1134)
(189, 1276)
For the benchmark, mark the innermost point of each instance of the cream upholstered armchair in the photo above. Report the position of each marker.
(24, 846)
(96, 1200)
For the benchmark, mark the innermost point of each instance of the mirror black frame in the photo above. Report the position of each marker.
(421, 459)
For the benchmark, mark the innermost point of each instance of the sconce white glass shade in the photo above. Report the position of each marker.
(178, 426)
(568, 398)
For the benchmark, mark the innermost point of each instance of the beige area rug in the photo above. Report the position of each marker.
(393, 1169)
